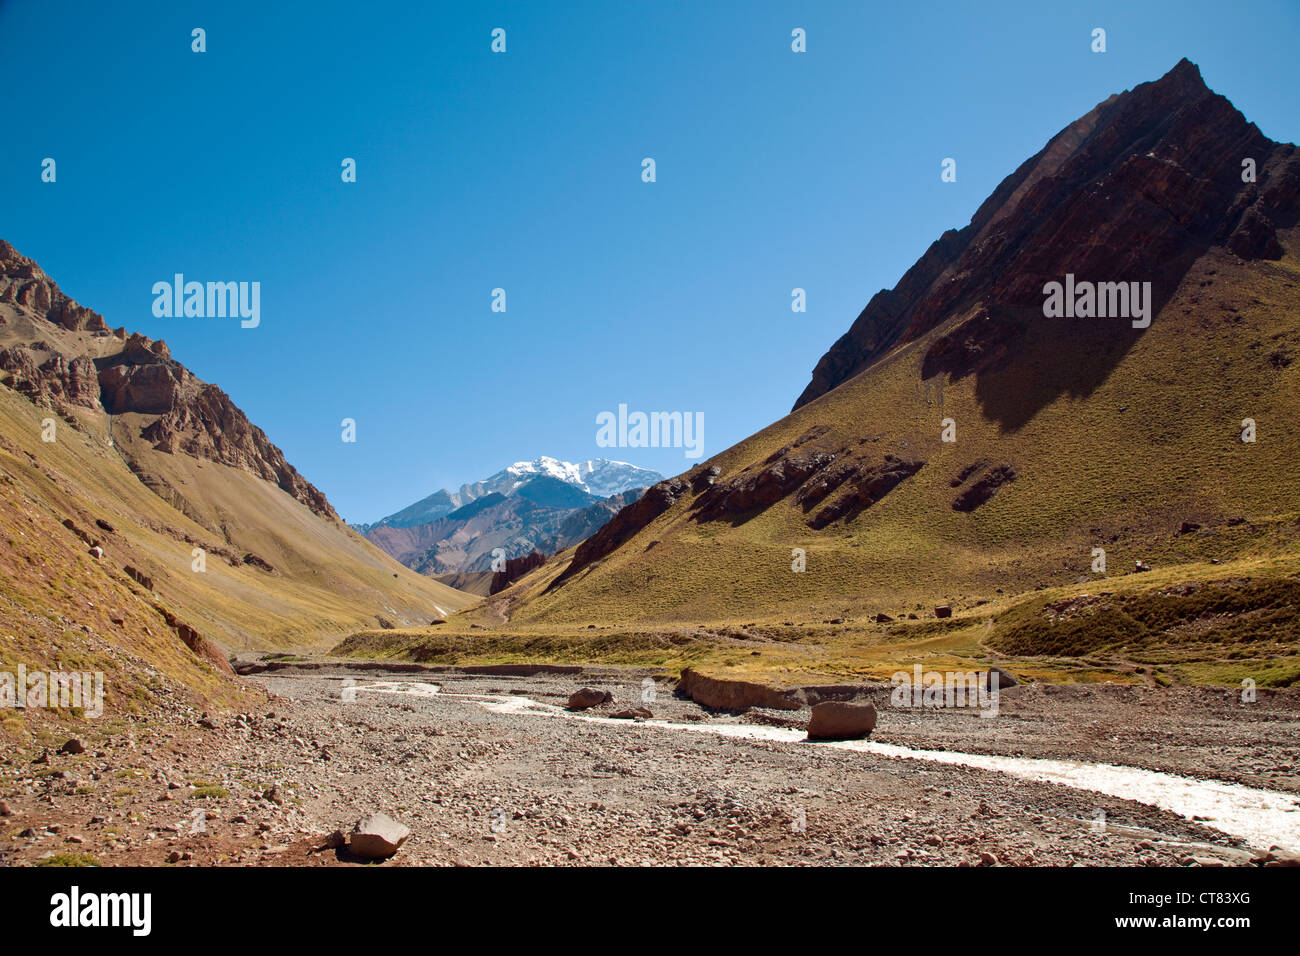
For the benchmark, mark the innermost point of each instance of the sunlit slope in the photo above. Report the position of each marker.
(1148, 438)
(324, 578)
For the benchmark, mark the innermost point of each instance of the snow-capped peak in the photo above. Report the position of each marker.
(598, 476)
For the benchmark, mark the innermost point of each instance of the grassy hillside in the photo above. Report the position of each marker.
(325, 578)
(1119, 465)
(1156, 444)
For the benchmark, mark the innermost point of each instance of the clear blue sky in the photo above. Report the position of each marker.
(523, 171)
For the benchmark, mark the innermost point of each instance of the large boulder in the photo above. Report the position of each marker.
(841, 720)
(587, 697)
(999, 678)
(377, 837)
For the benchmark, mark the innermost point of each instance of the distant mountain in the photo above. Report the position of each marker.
(598, 477)
(539, 506)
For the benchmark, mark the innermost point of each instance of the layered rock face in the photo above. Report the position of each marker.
(49, 378)
(22, 283)
(131, 375)
(1134, 191)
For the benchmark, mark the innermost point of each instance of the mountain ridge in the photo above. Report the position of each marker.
(1112, 146)
(1068, 435)
(599, 477)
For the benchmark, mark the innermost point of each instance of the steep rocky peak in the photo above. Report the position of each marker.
(1136, 189)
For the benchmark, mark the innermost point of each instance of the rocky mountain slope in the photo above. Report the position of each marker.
(1137, 189)
(150, 527)
(958, 447)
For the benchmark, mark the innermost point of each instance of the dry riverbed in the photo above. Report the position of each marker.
(487, 769)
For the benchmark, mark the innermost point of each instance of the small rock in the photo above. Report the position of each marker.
(632, 713)
(72, 746)
(1279, 856)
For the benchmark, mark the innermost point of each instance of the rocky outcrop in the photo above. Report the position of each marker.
(1152, 177)
(196, 642)
(257, 562)
(978, 342)
(984, 488)
(719, 693)
(140, 377)
(625, 525)
(139, 577)
(862, 484)
(204, 423)
(23, 284)
(49, 378)
(757, 488)
(515, 569)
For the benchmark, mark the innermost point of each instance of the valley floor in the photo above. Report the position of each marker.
(489, 770)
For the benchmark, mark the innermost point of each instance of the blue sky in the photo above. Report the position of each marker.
(522, 170)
